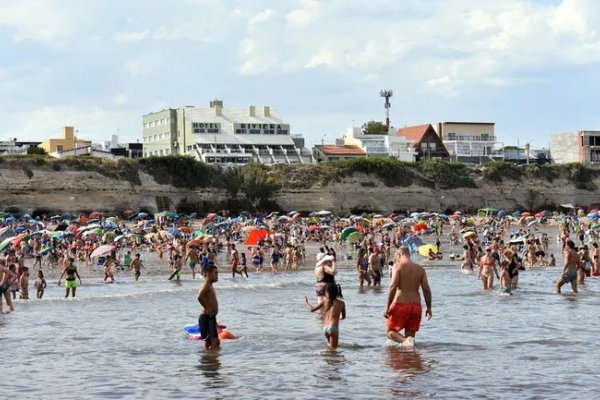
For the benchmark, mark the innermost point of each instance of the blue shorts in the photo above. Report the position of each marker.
(328, 330)
(568, 277)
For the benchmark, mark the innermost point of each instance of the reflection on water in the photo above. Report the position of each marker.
(210, 365)
(409, 362)
(333, 367)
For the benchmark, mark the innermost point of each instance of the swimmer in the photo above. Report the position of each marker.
(334, 309)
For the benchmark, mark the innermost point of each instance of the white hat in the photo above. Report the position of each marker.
(324, 259)
(319, 256)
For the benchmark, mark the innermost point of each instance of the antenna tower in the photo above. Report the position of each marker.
(387, 94)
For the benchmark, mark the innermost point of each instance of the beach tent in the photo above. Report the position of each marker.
(487, 212)
(255, 236)
(424, 250)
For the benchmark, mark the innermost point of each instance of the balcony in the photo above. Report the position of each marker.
(470, 139)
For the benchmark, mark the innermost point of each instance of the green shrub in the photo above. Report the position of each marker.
(498, 170)
(446, 175)
(179, 171)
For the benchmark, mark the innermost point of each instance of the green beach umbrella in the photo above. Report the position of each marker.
(354, 237)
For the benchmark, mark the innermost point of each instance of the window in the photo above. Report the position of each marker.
(240, 131)
(451, 135)
(424, 147)
(255, 131)
(212, 130)
(432, 146)
(485, 137)
(59, 148)
(333, 158)
(282, 131)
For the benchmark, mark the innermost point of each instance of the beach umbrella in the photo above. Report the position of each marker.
(323, 213)
(96, 214)
(313, 228)
(102, 250)
(468, 234)
(389, 226)
(186, 229)
(595, 225)
(117, 238)
(347, 231)
(10, 219)
(256, 236)
(424, 249)
(530, 224)
(109, 236)
(420, 227)
(174, 231)
(6, 242)
(354, 237)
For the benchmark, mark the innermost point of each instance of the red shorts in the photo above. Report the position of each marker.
(234, 263)
(404, 316)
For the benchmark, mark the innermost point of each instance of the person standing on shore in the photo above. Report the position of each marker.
(403, 309)
(207, 297)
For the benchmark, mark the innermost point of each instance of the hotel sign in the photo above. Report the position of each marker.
(206, 127)
(258, 128)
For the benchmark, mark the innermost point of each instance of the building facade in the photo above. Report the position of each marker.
(67, 142)
(576, 147)
(380, 145)
(8, 147)
(337, 152)
(223, 135)
(470, 142)
(425, 142)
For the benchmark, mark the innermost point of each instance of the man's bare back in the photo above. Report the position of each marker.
(403, 308)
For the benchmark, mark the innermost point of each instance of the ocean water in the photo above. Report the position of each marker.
(125, 340)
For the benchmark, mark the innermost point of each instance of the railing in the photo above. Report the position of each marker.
(471, 138)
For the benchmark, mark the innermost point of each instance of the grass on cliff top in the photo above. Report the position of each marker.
(185, 171)
(581, 177)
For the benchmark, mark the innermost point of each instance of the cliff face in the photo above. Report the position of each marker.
(42, 187)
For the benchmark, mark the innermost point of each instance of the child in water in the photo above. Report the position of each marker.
(333, 308)
(505, 281)
(24, 284)
(40, 284)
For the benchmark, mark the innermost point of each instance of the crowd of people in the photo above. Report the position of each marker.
(493, 248)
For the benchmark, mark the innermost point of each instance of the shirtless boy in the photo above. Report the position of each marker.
(207, 297)
(403, 309)
(571, 267)
(333, 309)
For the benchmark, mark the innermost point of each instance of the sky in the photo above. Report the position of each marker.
(529, 66)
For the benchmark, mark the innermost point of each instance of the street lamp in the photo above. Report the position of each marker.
(75, 142)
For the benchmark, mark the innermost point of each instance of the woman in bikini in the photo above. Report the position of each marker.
(487, 269)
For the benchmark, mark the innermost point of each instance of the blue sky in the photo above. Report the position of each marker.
(530, 66)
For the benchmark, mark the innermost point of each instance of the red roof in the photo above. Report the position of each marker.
(413, 133)
(346, 150)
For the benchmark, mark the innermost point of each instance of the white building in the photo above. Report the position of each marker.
(470, 142)
(576, 147)
(223, 135)
(380, 145)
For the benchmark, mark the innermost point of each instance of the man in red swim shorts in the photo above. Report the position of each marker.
(403, 309)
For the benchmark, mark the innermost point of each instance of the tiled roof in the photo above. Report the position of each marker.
(413, 133)
(346, 150)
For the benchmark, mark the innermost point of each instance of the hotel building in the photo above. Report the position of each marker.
(223, 135)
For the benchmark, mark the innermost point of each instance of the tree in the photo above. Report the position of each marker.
(374, 128)
(257, 185)
(37, 150)
(232, 180)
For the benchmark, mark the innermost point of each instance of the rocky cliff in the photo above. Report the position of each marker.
(48, 186)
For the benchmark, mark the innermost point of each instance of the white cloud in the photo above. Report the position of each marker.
(128, 37)
(38, 20)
